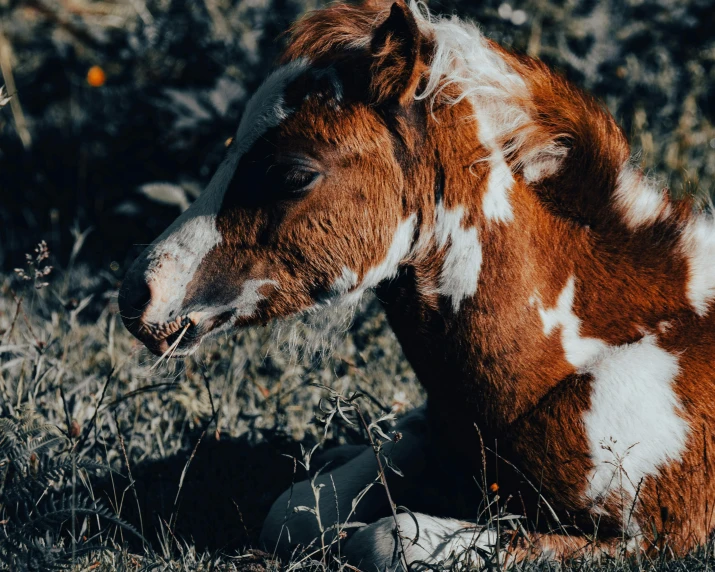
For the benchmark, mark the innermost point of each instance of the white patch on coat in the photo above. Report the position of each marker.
(430, 543)
(544, 166)
(462, 255)
(347, 280)
(247, 302)
(697, 243)
(243, 306)
(578, 350)
(634, 426)
(495, 204)
(346, 285)
(399, 250)
(463, 57)
(638, 201)
(174, 257)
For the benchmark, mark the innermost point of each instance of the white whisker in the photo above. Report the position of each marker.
(171, 349)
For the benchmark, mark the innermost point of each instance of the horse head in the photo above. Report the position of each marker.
(310, 205)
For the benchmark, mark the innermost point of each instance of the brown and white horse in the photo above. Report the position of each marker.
(541, 287)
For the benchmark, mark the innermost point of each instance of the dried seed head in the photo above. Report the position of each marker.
(34, 464)
(75, 429)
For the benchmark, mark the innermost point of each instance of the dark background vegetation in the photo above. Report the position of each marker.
(178, 73)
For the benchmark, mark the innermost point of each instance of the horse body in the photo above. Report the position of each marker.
(555, 305)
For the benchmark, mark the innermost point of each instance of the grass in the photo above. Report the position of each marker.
(110, 463)
(212, 428)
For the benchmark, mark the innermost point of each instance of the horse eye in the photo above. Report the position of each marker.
(291, 178)
(300, 178)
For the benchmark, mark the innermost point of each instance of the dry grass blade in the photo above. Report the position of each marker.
(4, 97)
(171, 349)
(6, 67)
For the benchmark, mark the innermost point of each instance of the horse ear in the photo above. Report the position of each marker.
(395, 49)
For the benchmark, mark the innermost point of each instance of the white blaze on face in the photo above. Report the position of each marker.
(266, 109)
(638, 201)
(174, 257)
(462, 262)
(634, 426)
(697, 243)
(577, 349)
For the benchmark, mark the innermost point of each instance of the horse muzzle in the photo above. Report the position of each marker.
(154, 318)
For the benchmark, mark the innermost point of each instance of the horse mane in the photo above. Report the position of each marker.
(561, 140)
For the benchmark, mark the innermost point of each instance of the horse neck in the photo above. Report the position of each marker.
(472, 311)
(458, 308)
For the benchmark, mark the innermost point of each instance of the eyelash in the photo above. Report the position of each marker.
(291, 178)
(298, 179)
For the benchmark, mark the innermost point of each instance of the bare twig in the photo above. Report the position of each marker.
(383, 479)
(147, 389)
(92, 421)
(18, 301)
(68, 419)
(207, 383)
(131, 478)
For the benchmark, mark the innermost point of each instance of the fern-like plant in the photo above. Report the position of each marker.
(39, 512)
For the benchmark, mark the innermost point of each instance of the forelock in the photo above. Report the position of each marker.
(331, 31)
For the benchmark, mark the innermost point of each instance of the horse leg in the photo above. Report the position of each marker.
(426, 543)
(421, 541)
(336, 456)
(305, 513)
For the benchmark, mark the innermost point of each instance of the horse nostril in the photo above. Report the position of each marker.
(134, 298)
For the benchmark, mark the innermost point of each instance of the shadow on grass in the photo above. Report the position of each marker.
(227, 490)
(230, 485)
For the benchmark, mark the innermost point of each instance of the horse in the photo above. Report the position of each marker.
(555, 303)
